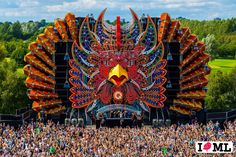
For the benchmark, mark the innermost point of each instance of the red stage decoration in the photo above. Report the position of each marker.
(118, 32)
(117, 64)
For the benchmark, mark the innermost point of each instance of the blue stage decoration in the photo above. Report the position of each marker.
(169, 57)
(168, 85)
(66, 84)
(66, 57)
(206, 68)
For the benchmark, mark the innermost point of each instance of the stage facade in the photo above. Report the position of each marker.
(95, 69)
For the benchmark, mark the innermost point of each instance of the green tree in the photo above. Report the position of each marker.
(2, 52)
(18, 55)
(222, 91)
(12, 88)
(5, 27)
(43, 23)
(232, 25)
(210, 42)
(5, 31)
(16, 30)
(227, 50)
(10, 47)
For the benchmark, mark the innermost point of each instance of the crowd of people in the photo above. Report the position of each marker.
(51, 139)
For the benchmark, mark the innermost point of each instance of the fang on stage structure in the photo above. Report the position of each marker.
(146, 67)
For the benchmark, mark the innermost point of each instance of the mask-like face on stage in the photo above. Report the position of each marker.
(117, 64)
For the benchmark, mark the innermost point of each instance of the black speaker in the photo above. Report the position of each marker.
(67, 121)
(80, 122)
(161, 122)
(168, 122)
(157, 123)
(74, 121)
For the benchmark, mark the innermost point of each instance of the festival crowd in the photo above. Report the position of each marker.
(42, 140)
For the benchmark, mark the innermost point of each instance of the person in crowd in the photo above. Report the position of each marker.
(51, 139)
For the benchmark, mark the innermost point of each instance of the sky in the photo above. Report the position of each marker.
(25, 10)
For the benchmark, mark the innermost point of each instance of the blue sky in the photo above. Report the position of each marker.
(25, 10)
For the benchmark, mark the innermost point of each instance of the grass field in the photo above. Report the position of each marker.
(224, 65)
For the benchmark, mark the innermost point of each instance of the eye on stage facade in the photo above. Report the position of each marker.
(93, 67)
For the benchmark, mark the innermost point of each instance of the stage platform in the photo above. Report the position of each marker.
(112, 122)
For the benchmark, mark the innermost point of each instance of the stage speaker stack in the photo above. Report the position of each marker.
(42, 117)
(158, 123)
(67, 121)
(80, 122)
(161, 122)
(74, 121)
(168, 122)
(154, 123)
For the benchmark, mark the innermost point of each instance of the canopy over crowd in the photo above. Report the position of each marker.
(38, 139)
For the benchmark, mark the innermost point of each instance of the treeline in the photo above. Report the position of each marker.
(218, 35)
(24, 30)
(15, 38)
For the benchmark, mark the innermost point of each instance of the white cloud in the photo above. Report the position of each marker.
(65, 6)
(50, 9)
(28, 3)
